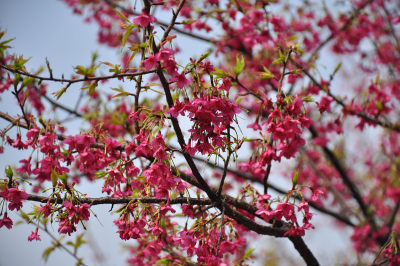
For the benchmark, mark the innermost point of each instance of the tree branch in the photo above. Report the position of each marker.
(364, 116)
(124, 200)
(16, 71)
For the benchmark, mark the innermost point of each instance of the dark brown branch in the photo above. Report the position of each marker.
(181, 140)
(58, 105)
(14, 121)
(172, 23)
(16, 71)
(125, 200)
(392, 217)
(280, 191)
(225, 169)
(265, 180)
(302, 248)
(345, 178)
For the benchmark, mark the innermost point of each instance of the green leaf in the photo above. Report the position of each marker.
(204, 56)
(122, 16)
(9, 172)
(63, 178)
(308, 99)
(47, 253)
(239, 99)
(79, 241)
(239, 65)
(95, 55)
(3, 44)
(189, 21)
(54, 177)
(121, 93)
(248, 253)
(27, 80)
(60, 92)
(266, 74)
(337, 68)
(19, 63)
(219, 73)
(81, 70)
(91, 87)
(127, 34)
(91, 70)
(295, 178)
(164, 261)
(100, 174)
(278, 61)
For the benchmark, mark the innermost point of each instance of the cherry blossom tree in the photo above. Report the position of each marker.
(188, 153)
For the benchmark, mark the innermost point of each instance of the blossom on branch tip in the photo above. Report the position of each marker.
(6, 221)
(34, 236)
(15, 197)
(143, 20)
(180, 79)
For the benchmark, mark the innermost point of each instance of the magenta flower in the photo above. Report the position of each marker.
(180, 79)
(143, 20)
(16, 197)
(7, 222)
(34, 236)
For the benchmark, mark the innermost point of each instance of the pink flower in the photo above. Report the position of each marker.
(46, 209)
(66, 226)
(226, 84)
(166, 208)
(16, 197)
(84, 211)
(287, 210)
(324, 104)
(180, 79)
(19, 144)
(7, 222)
(34, 236)
(316, 194)
(188, 210)
(164, 54)
(266, 214)
(150, 63)
(143, 20)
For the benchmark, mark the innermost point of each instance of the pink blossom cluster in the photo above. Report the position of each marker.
(211, 116)
(68, 216)
(285, 210)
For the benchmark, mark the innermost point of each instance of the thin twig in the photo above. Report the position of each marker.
(221, 184)
(362, 115)
(220, 233)
(161, 23)
(75, 80)
(355, 14)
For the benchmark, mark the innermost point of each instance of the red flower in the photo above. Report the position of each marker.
(15, 196)
(7, 222)
(180, 79)
(34, 236)
(46, 209)
(143, 20)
